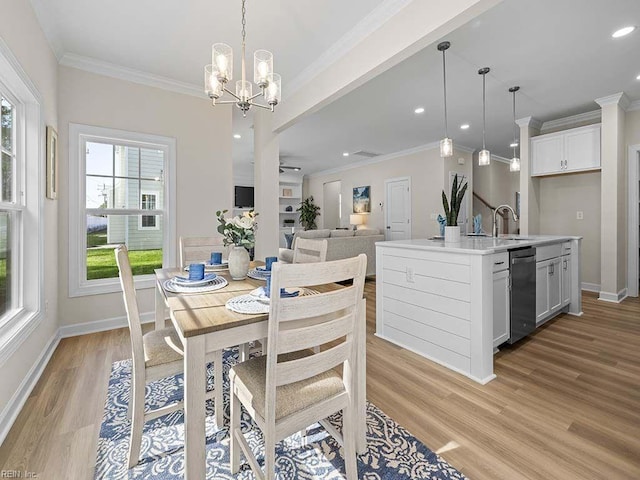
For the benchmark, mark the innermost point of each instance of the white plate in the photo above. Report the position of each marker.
(213, 267)
(185, 282)
(258, 275)
(215, 284)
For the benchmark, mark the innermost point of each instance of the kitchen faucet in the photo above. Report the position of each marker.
(495, 219)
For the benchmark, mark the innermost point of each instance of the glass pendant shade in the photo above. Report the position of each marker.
(514, 166)
(446, 147)
(212, 87)
(273, 92)
(484, 157)
(262, 67)
(222, 61)
(244, 89)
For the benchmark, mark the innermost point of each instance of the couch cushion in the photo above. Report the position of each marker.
(314, 233)
(364, 232)
(341, 233)
(286, 255)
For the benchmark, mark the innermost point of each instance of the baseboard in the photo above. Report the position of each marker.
(101, 325)
(590, 287)
(613, 297)
(17, 401)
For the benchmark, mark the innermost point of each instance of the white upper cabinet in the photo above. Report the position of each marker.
(569, 151)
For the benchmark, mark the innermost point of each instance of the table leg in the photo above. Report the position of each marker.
(217, 395)
(194, 408)
(361, 379)
(160, 323)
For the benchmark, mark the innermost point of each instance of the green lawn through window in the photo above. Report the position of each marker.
(101, 262)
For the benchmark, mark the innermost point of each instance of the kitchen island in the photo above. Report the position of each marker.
(450, 302)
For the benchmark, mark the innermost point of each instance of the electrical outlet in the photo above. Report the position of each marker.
(410, 275)
(579, 215)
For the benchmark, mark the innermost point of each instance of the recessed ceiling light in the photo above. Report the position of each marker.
(513, 144)
(638, 77)
(622, 32)
(464, 126)
(345, 154)
(419, 110)
(237, 135)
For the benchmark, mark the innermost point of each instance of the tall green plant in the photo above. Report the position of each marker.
(309, 211)
(452, 209)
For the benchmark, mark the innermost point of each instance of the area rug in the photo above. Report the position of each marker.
(393, 453)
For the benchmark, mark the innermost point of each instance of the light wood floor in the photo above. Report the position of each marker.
(565, 405)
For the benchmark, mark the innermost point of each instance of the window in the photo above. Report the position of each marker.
(123, 188)
(21, 198)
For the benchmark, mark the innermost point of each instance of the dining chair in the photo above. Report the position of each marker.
(291, 387)
(198, 249)
(156, 354)
(308, 250)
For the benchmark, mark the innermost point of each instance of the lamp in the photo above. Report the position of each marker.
(446, 144)
(356, 220)
(514, 166)
(484, 157)
(220, 72)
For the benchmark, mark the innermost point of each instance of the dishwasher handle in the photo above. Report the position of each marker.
(530, 259)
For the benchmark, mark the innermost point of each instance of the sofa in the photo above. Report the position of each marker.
(341, 244)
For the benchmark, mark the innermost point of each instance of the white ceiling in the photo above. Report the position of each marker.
(560, 52)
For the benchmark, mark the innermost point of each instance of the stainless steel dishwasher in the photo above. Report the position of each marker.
(522, 266)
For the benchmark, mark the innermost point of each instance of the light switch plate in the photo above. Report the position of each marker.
(579, 215)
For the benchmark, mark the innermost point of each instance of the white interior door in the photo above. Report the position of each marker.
(331, 205)
(397, 209)
(463, 216)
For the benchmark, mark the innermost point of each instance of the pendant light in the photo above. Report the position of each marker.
(446, 144)
(484, 157)
(514, 166)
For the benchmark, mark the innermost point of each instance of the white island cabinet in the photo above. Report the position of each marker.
(450, 302)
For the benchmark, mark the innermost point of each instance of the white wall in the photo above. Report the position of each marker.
(21, 32)
(330, 213)
(204, 166)
(427, 171)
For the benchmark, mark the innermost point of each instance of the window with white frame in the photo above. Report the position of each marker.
(122, 192)
(21, 197)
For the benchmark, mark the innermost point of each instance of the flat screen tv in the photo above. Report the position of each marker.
(244, 197)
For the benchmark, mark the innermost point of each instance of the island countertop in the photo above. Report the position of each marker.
(478, 245)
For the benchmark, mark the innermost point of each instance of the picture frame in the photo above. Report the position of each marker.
(52, 163)
(287, 192)
(362, 199)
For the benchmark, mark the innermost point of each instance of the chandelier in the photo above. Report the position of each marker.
(220, 72)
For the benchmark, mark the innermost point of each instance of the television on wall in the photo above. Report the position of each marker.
(244, 197)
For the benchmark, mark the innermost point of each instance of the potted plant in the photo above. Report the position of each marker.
(239, 232)
(452, 209)
(309, 211)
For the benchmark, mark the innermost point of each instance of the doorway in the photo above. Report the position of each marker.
(633, 222)
(332, 204)
(397, 207)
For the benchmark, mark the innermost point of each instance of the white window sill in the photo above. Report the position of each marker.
(109, 285)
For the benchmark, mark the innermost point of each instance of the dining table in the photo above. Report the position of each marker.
(204, 324)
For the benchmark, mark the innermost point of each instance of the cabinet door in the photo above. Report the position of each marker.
(566, 280)
(542, 290)
(582, 149)
(501, 315)
(555, 284)
(546, 154)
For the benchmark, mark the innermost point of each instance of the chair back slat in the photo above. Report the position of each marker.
(198, 249)
(308, 250)
(316, 334)
(305, 275)
(307, 367)
(308, 306)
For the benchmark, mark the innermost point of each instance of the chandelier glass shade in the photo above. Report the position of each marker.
(484, 157)
(514, 166)
(220, 72)
(446, 144)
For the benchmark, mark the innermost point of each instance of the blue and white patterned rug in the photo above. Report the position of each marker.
(393, 453)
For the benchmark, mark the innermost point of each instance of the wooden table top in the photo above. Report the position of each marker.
(202, 313)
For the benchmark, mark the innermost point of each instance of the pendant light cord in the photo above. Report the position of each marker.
(484, 118)
(514, 124)
(244, 35)
(444, 77)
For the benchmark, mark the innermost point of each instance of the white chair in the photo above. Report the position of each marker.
(198, 249)
(156, 354)
(308, 250)
(291, 387)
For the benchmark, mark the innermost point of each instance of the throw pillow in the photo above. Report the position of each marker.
(288, 237)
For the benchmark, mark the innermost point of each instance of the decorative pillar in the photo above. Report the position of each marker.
(266, 148)
(529, 186)
(613, 229)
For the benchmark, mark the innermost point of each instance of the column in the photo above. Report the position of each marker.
(613, 231)
(266, 148)
(529, 186)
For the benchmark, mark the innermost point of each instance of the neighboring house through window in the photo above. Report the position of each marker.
(123, 195)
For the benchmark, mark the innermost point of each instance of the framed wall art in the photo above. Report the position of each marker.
(362, 199)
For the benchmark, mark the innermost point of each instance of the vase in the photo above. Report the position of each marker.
(238, 263)
(452, 234)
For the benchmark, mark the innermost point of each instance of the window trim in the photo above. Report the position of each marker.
(78, 284)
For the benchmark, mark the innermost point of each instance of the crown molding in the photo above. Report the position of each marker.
(529, 122)
(365, 27)
(615, 99)
(51, 33)
(500, 159)
(129, 74)
(572, 120)
(633, 106)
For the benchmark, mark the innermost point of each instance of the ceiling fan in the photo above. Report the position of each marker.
(287, 167)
